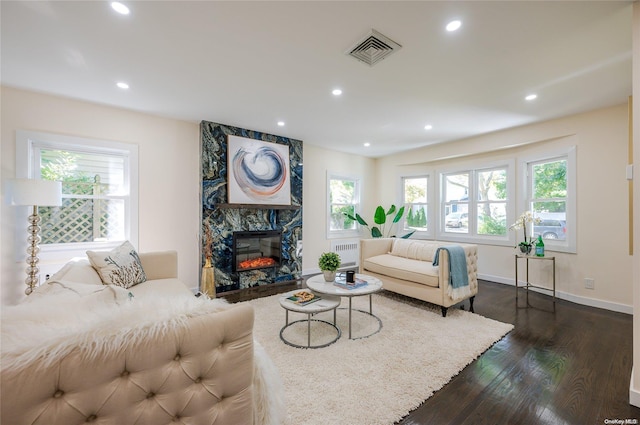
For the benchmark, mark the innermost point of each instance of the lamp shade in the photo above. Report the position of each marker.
(31, 192)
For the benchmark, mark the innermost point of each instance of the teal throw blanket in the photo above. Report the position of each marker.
(458, 276)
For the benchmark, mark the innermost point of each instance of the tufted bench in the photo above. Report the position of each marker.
(91, 353)
(405, 266)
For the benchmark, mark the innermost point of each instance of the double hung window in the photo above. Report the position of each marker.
(99, 189)
(343, 197)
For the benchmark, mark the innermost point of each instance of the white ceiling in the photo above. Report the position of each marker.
(251, 64)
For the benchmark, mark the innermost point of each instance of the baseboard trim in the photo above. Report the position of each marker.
(590, 302)
(634, 393)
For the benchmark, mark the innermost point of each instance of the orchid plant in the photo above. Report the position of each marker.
(521, 223)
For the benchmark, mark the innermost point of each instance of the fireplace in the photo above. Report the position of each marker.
(256, 250)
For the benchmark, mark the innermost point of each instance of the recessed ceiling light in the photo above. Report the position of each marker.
(120, 8)
(367, 144)
(281, 123)
(122, 85)
(531, 97)
(428, 127)
(336, 92)
(454, 25)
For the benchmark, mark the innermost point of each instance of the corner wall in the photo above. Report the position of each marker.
(168, 170)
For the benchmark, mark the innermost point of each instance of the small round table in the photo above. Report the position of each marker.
(318, 285)
(326, 303)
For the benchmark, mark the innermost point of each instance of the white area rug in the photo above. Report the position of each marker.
(375, 380)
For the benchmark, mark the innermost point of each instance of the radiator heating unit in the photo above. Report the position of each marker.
(348, 250)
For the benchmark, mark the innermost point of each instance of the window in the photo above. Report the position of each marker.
(492, 202)
(414, 198)
(344, 197)
(456, 202)
(548, 201)
(99, 189)
(475, 204)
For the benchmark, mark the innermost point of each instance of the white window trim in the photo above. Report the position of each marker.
(472, 168)
(25, 168)
(343, 234)
(431, 199)
(569, 245)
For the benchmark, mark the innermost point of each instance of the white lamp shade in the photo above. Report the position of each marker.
(31, 192)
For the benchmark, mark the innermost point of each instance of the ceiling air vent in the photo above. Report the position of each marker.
(373, 48)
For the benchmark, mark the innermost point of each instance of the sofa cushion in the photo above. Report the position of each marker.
(121, 266)
(414, 249)
(422, 272)
(77, 270)
(170, 287)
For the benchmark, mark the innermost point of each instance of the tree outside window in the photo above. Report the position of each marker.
(344, 197)
(549, 198)
(415, 201)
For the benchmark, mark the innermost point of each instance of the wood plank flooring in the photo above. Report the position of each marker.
(568, 366)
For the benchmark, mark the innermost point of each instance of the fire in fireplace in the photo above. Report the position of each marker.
(256, 249)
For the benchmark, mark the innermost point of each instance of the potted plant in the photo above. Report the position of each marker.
(329, 263)
(521, 223)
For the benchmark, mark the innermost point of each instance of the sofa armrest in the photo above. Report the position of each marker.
(372, 247)
(471, 254)
(160, 264)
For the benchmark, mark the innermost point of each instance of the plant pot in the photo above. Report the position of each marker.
(525, 249)
(329, 276)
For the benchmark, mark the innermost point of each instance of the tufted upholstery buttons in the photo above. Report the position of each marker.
(177, 357)
(198, 380)
(151, 395)
(176, 418)
(58, 394)
(92, 418)
(124, 373)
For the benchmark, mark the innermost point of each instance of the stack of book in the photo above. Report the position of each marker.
(341, 281)
(303, 298)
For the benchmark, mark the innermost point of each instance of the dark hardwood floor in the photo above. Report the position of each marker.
(568, 366)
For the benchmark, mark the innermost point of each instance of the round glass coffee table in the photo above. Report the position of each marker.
(326, 303)
(318, 285)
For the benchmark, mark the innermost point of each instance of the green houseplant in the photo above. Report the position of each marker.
(380, 218)
(329, 263)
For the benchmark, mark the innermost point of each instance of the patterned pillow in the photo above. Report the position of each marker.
(121, 266)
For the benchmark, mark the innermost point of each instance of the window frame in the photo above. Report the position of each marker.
(349, 233)
(568, 245)
(28, 145)
(472, 168)
(431, 224)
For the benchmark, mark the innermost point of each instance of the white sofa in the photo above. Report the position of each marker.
(80, 351)
(405, 266)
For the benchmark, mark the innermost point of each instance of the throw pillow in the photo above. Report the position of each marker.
(121, 266)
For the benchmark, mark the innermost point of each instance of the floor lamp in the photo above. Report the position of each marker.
(33, 193)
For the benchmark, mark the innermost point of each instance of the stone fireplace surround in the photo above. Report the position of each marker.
(222, 218)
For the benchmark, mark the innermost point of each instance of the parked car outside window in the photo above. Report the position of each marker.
(456, 219)
(550, 229)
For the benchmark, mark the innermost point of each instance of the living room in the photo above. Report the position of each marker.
(169, 186)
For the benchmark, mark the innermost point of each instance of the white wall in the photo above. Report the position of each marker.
(317, 163)
(601, 138)
(168, 169)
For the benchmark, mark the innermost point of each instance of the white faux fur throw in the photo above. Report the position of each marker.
(45, 330)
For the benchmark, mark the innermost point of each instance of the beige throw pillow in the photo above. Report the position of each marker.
(121, 266)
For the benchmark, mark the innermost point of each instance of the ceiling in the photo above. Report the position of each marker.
(252, 64)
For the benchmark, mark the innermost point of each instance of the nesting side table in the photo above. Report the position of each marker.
(529, 285)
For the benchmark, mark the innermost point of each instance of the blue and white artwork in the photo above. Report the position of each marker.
(258, 172)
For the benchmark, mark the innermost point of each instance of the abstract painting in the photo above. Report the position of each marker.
(258, 172)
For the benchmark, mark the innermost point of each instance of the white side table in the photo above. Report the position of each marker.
(327, 303)
(529, 285)
(318, 285)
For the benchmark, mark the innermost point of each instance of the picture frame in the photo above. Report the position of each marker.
(258, 172)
